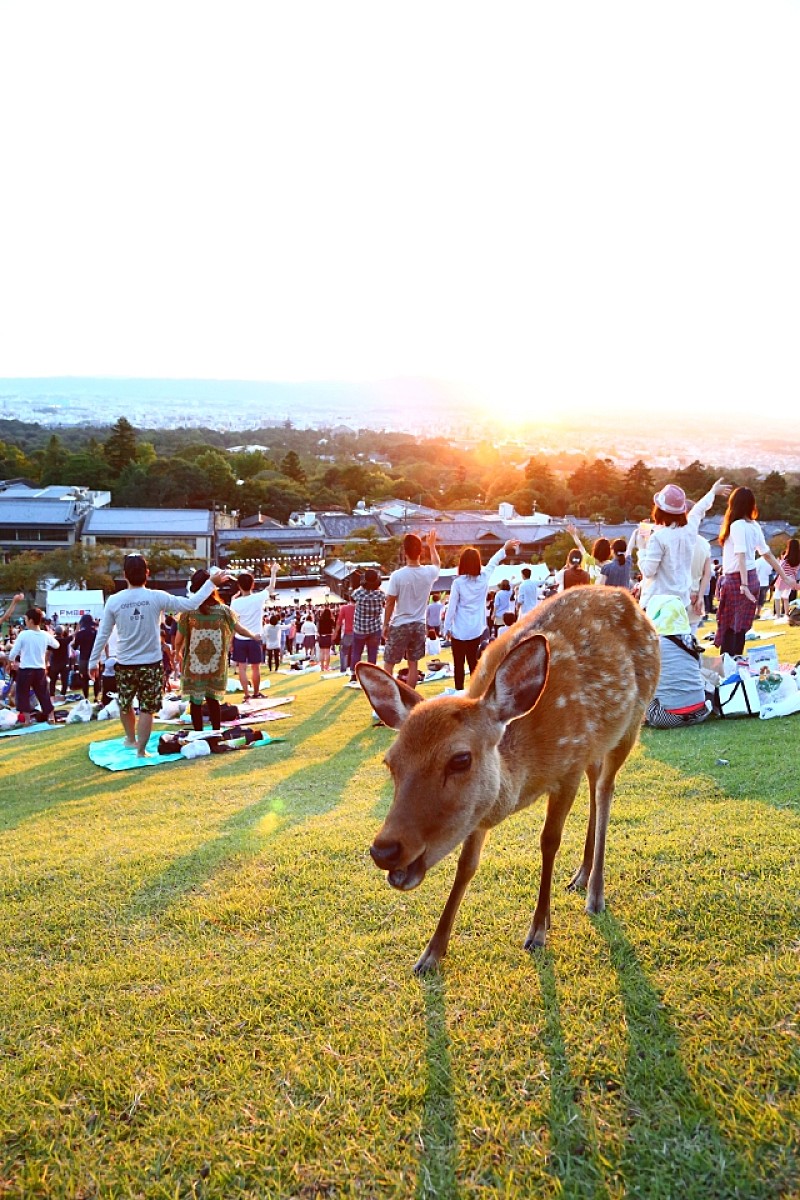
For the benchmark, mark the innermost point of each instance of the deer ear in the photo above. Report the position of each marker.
(519, 680)
(391, 699)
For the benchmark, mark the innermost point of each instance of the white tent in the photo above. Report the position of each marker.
(72, 604)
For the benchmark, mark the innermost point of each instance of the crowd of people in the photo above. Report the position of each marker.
(139, 649)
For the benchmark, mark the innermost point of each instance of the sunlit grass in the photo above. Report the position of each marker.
(205, 985)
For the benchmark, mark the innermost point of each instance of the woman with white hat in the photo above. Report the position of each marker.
(666, 561)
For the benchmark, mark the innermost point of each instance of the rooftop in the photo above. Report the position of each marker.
(183, 522)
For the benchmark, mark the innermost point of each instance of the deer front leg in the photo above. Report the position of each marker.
(468, 861)
(558, 806)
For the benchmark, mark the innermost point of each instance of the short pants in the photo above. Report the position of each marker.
(145, 681)
(405, 641)
(246, 650)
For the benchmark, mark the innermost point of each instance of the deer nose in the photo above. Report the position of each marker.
(385, 855)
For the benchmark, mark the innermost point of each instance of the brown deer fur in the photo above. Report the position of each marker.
(561, 693)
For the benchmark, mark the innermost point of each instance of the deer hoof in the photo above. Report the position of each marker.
(535, 941)
(427, 962)
(579, 880)
(595, 905)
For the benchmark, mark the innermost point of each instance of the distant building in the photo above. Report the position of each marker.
(190, 530)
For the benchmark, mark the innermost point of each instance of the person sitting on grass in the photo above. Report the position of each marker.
(202, 643)
(31, 649)
(681, 692)
(136, 615)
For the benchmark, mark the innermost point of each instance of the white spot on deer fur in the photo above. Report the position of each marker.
(561, 701)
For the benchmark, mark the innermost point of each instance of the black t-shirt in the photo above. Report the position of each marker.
(83, 641)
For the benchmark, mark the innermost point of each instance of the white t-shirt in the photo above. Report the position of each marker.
(527, 596)
(744, 537)
(764, 572)
(412, 587)
(31, 648)
(700, 556)
(249, 611)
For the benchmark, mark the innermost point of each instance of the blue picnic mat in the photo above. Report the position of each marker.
(115, 756)
(37, 727)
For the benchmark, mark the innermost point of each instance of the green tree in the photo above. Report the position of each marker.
(54, 462)
(220, 479)
(292, 468)
(638, 489)
(120, 446)
(76, 566)
(84, 469)
(695, 479)
(23, 573)
(772, 497)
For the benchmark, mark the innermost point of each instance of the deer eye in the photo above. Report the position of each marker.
(460, 762)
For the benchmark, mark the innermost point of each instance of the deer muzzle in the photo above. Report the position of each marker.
(388, 855)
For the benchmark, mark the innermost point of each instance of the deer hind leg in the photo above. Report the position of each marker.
(581, 877)
(558, 806)
(468, 861)
(604, 793)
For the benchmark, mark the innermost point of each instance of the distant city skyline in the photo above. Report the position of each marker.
(428, 408)
(589, 207)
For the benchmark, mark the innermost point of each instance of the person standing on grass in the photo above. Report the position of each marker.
(202, 641)
(465, 620)
(407, 595)
(790, 565)
(741, 537)
(325, 628)
(666, 561)
(367, 620)
(136, 615)
(31, 648)
(343, 634)
(527, 595)
(248, 608)
(271, 637)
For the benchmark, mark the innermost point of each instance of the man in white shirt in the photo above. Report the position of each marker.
(407, 595)
(136, 615)
(527, 593)
(249, 609)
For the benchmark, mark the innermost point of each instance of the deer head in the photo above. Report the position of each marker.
(447, 762)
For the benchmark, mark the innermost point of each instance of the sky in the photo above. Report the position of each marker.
(572, 206)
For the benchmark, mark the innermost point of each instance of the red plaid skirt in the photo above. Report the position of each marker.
(734, 611)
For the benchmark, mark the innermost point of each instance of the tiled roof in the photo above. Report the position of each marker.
(37, 512)
(295, 535)
(181, 522)
(338, 526)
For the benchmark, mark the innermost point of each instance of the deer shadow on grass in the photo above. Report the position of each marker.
(573, 1158)
(307, 792)
(674, 1146)
(439, 1132)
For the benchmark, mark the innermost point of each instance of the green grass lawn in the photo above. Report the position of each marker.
(206, 986)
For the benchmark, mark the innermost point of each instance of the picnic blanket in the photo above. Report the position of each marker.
(115, 756)
(37, 727)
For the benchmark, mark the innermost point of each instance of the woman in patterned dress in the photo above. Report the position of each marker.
(202, 644)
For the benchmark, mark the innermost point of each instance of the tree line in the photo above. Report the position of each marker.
(334, 469)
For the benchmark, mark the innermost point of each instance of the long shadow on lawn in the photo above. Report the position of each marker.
(675, 1146)
(238, 836)
(572, 1154)
(71, 777)
(438, 1136)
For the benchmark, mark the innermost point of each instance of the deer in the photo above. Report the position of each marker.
(560, 694)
